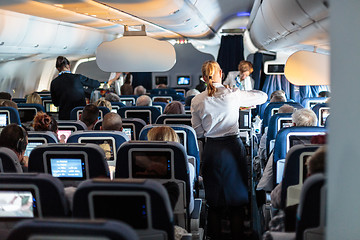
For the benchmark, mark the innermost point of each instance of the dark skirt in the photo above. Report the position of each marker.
(225, 172)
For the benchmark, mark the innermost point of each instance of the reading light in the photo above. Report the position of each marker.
(308, 68)
(135, 52)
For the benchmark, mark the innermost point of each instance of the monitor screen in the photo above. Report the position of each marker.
(285, 123)
(297, 140)
(183, 80)
(27, 114)
(244, 120)
(63, 135)
(128, 130)
(18, 204)
(178, 121)
(50, 107)
(4, 119)
(161, 80)
(130, 209)
(67, 167)
(151, 164)
(107, 144)
(128, 102)
(31, 145)
(324, 113)
(137, 114)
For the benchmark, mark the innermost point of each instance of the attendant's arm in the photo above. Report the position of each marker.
(117, 76)
(54, 98)
(196, 123)
(251, 98)
(229, 79)
(85, 81)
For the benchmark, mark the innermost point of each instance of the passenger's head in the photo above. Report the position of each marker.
(278, 98)
(8, 103)
(128, 79)
(139, 90)
(164, 133)
(90, 115)
(62, 64)
(43, 122)
(112, 97)
(5, 95)
(15, 138)
(245, 68)
(143, 100)
(192, 92)
(103, 103)
(324, 94)
(286, 108)
(112, 121)
(211, 73)
(317, 162)
(34, 98)
(175, 107)
(304, 117)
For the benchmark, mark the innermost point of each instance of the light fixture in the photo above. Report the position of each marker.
(135, 52)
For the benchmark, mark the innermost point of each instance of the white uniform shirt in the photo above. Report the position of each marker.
(218, 116)
(247, 84)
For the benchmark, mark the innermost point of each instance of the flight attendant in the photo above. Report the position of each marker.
(215, 115)
(67, 89)
(241, 79)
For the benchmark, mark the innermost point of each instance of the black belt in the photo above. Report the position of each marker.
(216, 139)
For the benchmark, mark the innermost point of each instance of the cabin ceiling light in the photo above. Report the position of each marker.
(135, 52)
(308, 68)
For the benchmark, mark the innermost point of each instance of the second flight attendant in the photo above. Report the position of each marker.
(215, 115)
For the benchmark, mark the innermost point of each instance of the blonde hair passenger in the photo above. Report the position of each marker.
(34, 98)
(162, 134)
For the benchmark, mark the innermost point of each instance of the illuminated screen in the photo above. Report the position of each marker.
(27, 114)
(151, 164)
(108, 145)
(183, 80)
(17, 204)
(285, 123)
(324, 113)
(296, 140)
(63, 135)
(50, 107)
(130, 209)
(142, 115)
(128, 102)
(31, 145)
(128, 132)
(3, 119)
(67, 167)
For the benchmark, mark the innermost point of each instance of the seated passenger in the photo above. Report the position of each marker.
(8, 103)
(112, 121)
(301, 117)
(278, 98)
(103, 103)
(44, 122)
(34, 98)
(190, 95)
(144, 100)
(5, 96)
(324, 94)
(90, 116)
(286, 108)
(15, 138)
(175, 107)
(140, 90)
(126, 88)
(166, 133)
(279, 93)
(112, 97)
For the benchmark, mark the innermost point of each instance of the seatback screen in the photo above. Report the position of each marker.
(324, 113)
(50, 107)
(63, 135)
(27, 114)
(297, 140)
(183, 80)
(18, 204)
(151, 164)
(107, 144)
(142, 115)
(31, 145)
(67, 166)
(184, 121)
(129, 132)
(3, 119)
(285, 123)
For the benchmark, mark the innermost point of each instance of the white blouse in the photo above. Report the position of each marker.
(247, 84)
(217, 116)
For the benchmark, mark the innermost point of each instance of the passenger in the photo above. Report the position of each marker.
(5, 95)
(112, 121)
(215, 115)
(175, 107)
(190, 95)
(67, 89)
(126, 88)
(241, 79)
(8, 103)
(16, 138)
(301, 117)
(278, 93)
(166, 133)
(103, 103)
(90, 116)
(201, 86)
(278, 98)
(162, 86)
(112, 97)
(44, 122)
(143, 100)
(286, 108)
(139, 90)
(34, 98)
(324, 94)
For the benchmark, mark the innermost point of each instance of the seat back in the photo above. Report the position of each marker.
(174, 119)
(162, 91)
(285, 139)
(272, 109)
(143, 204)
(19, 100)
(131, 127)
(9, 161)
(295, 173)
(168, 161)
(311, 102)
(187, 138)
(128, 100)
(277, 122)
(76, 112)
(49, 106)
(109, 141)
(68, 229)
(322, 111)
(262, 108)
(244, 119)
(72, 163)
(9, 115)
(47, 136)
(160, 105)
(27, 111)
(116, 106)
(147, 113)
(308, 215)
(66, 127)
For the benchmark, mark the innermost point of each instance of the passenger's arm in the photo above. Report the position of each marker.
(251, 98)
(85, 81)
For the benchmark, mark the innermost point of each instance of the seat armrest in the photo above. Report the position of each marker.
(282, 235)
(197, 208)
